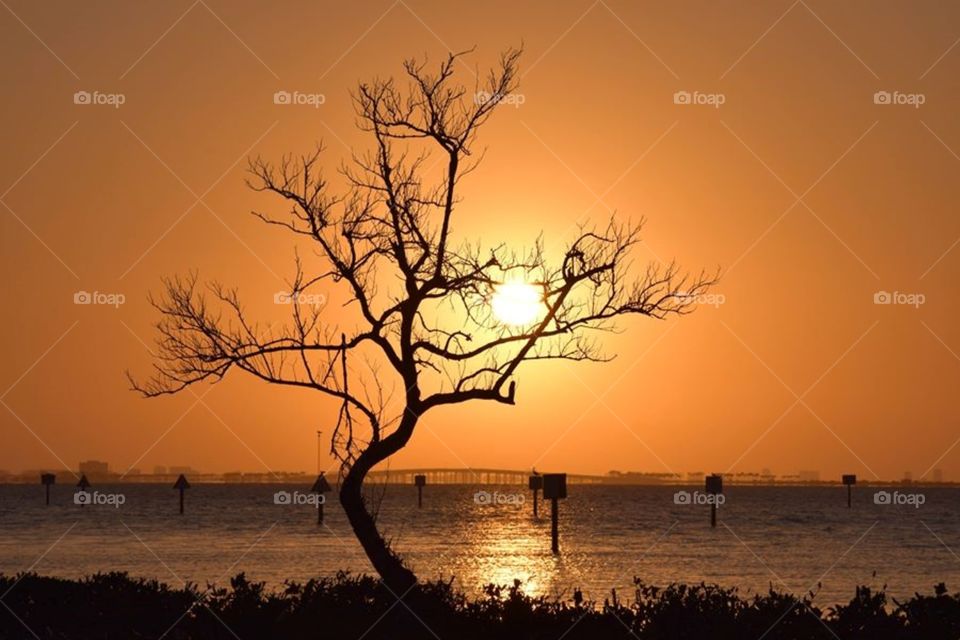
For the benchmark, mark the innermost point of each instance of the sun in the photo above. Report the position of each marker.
(516, 303)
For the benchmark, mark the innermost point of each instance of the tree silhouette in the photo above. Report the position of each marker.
(421, 295)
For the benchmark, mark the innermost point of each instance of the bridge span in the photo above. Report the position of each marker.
(470, 476)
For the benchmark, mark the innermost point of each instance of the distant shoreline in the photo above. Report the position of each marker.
(66, 479)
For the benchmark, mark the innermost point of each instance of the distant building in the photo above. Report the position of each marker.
(159, 470)
(907, 477)
(185, 470)
(695, 476)
(94, 468)
(938, 475)
(133, 472)
(808, 476)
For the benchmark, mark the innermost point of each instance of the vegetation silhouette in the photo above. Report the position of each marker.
(115, 606)
(419, 293)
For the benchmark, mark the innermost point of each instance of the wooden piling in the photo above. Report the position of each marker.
(554, 526)
(849, 479)
(535, 483)
(83, 485)
(714, 487)
(420, 480)
(320, 487)
(181, 485)
(47, 479)
(554, 489)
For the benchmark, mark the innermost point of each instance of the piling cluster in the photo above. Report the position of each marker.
(553, 486)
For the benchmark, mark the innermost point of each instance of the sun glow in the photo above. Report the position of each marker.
(516, 303)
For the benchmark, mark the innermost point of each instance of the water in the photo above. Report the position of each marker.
(788, 537)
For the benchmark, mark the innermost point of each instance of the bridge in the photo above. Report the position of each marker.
(470, 476)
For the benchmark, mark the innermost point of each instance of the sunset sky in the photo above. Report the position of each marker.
(809, 191)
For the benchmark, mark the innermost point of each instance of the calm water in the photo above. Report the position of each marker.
(790, 537)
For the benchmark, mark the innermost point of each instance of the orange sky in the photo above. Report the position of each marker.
(809, 195)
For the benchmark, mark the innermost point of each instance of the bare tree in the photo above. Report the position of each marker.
(421, 297)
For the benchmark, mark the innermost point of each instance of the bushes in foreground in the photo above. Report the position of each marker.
(113, 605)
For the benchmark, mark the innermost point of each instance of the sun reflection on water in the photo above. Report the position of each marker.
(505, 543)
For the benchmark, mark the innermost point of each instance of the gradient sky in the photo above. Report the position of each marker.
(805, 192)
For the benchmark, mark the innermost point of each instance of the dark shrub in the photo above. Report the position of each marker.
(115, 606)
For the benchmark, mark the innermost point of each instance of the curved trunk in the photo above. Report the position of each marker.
(391, 569)
(397, 577)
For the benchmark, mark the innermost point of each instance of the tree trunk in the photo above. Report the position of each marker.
(397, 577)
